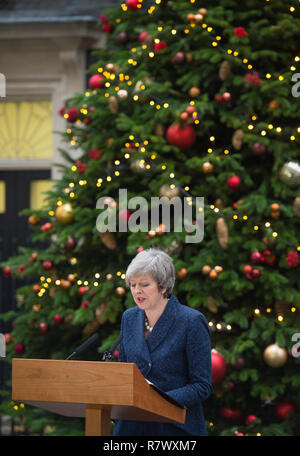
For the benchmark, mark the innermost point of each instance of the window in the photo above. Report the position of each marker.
(26, 130)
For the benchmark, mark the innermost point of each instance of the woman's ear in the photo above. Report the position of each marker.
(163, 292)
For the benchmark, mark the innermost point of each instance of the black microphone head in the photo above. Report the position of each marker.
(85, 344)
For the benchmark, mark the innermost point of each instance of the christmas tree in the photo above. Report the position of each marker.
(187, 101)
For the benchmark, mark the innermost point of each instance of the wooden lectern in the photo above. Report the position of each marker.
(98, 391)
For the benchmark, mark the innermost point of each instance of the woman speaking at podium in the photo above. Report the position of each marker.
(168, 341)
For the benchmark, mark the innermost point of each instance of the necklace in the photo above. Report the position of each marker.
(147, 326)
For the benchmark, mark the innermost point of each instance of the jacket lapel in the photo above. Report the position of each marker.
(163, 325)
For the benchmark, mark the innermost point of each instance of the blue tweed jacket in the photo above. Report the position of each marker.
(176, 356)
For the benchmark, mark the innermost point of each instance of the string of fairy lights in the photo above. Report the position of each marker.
(125, 79)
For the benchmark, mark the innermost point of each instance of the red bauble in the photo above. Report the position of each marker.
(81, 167)
(47, 265)
(96, 82)
(85, 304)
(218, 98)
(250, 419)
(47, 226)
(62, 111)
(140, 249)
(143, 36)
(19, 349)
(116, 354)
(70, 244)
(256, 257)
(239, 363)
(247, 269)
(259, 149)
(236, 416)
(124, 215)
(190, 110)
(82, 290)
(132, 4)
(107, 28)
(284, 409)
(58, 319)
(240, 31)
(73, 114)
(43, 328)
(219, 368)
(103, 18)
(183, 137)
(255, 273)
(226, 97)
(6, 271)
(94, 154)
(159, 46)
(234, 182)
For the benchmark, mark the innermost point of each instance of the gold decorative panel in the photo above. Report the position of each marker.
(26, 130)
(37, 197)
(2, 197)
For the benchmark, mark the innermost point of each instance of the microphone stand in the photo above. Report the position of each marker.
(108, 354)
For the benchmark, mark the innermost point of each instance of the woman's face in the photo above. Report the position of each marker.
(145, 292)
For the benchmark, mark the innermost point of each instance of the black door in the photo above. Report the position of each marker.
(14, 232)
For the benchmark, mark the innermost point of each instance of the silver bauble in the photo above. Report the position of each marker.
(122, 94)
(290, 173)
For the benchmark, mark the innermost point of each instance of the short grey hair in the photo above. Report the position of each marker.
(157, 263)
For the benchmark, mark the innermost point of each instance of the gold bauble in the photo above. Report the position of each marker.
(122, 94)
(66, 284)
(206, 269)
(182, 273)
(199, 17)
(194, 92)
(161, 229)
(174, 249)
(99, 315)
(222, 232)
(120, 291)
(36, 307)
(168, 191)
(207, 167)
(159, 130)
(213, 274)
(275, 356)
(237, 139)
(91, 327)
(138, 166)
(33, 220)
(297, 205)
(190, 17)
(108, 240)
(212, 304)
(225, 70)
(219, 203)
(64, 214)
(113, 104)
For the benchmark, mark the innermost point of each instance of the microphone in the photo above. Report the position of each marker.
(84, 345)
(107, 356)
